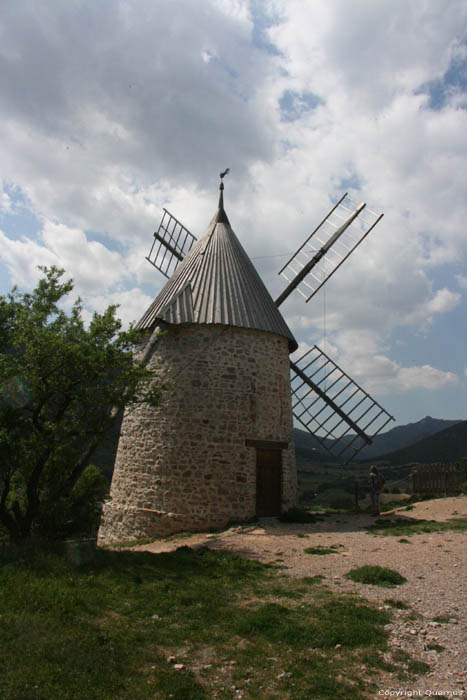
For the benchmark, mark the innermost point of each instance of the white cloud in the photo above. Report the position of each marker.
(92, 266)
(22, 259)
(364, 357)
(365, 50)
(5, 202)
(405, 379)
(443, 301)
(131, 304)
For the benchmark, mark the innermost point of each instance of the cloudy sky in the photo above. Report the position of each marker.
(113, 109)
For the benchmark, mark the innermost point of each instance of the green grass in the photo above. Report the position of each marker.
(108, 628)
(408, 666)
(404, 527)
(376, 576)
(321, 549)
(416, 667)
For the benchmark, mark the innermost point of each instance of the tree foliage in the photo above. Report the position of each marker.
(62, 387)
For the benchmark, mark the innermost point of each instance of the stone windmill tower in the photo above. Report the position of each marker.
(220, 446)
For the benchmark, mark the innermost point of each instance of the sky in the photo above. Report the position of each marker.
(112, 110)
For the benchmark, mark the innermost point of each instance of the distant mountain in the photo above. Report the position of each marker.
(405, 435)
(394, 440)
(447, 445)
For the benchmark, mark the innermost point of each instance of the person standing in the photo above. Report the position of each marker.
(376, 481)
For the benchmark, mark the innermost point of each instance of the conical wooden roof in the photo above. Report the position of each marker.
(217, 283)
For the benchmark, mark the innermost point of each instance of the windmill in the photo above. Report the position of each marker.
(221, 447)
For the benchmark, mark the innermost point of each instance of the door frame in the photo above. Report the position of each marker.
(268, 445)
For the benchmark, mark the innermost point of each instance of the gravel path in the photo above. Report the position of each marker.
(434, 564)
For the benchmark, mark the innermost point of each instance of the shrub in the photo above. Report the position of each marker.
(376, 576)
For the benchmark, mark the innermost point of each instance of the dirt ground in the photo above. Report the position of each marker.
(434, 630)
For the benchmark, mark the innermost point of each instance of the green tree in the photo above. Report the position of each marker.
(62, 387)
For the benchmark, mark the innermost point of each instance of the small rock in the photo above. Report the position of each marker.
(179, 667)
(171, 659)
(433, 624)
(413, 632)
(338, 646)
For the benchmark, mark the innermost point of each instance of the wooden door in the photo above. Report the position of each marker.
(268, 482)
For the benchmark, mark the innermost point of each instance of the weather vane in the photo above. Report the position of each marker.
(222, 175)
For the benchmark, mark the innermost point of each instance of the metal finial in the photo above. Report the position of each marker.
(222, 175)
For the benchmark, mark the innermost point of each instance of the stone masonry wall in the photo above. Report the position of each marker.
(184, 465)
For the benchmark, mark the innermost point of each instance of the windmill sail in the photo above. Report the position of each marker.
(172, 241)
(332, 406)
(330, 244)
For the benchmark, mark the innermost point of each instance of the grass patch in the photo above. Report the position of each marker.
(417, 668)
(336, 621)
(374, 659)
(107, 629)
(404, 527)
(390, 505)
(435, 647)
(376, 576)
(398, 604)
(321, 549)
(313, 579)
(408, 667)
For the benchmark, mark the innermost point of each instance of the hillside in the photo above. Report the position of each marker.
(405, 435)
(319, 474)
(448, 445)
(396, 439)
